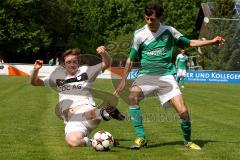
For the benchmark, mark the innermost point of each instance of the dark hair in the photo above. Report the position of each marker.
(74, 51)
(151, 7)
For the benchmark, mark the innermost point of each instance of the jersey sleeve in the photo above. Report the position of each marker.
(51, 79)
(46, 81)
(134, 48)
(181, 41)
(176, 34)
(177, 58)
(93, 71)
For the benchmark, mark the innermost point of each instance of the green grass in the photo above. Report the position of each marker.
(29, 128)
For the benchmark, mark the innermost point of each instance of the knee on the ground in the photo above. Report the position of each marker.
(75, 141)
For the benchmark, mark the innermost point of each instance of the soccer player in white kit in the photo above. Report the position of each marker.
(73, 83)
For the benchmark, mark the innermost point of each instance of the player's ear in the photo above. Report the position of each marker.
(146, 18)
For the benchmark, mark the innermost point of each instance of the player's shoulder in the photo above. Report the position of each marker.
(175, 33)
(82, 69)
(92, 68)
(164, 26)
(179, 55)
(167, 27)
(140, 31)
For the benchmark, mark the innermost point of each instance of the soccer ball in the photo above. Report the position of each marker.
(102, 141)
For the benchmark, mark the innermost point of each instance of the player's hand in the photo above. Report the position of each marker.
(101, 50)
(120, 87)
(219, 40)
(38, 64)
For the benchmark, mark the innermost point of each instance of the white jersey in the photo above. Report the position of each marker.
(73, 90)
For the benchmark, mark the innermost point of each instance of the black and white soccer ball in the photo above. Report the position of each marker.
(102, 141)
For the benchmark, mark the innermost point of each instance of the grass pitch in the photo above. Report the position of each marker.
(30, 129)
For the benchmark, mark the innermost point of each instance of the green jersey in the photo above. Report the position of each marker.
(155, 49)
(182, 61)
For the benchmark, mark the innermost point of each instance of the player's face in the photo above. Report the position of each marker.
(153, 22)
(71, 63)
(182, 51)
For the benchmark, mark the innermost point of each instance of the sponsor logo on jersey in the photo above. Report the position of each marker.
(82, 77)
(156, 52)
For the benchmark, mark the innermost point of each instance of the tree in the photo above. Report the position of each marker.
(234, 61)
(20, 33)
(221, 58)
(182, 15)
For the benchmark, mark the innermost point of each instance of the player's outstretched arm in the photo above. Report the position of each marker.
(35, 80)
(122, 83)
(106, 59)
(199, 43)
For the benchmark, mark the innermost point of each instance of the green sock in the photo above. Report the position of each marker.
(182, 80)
(178, 79)
(186, 129)
(136, 120)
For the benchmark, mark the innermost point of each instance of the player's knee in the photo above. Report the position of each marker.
(74, 141)
(90, 115)
(183, 114)
(133, 98)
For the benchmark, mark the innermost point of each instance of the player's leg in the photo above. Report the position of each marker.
(183, 75)
(182, 110)
(96, 115)
(83, 119)
(135, 96)
(76, 135)
(181, 81)
(170, 95)
(80, 121)
(178, 77)
(111, 112)
(93, 114)
(142, 87)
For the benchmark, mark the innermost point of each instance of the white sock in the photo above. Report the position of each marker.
(88, 141)
(105, 114)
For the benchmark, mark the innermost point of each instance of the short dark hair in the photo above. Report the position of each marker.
(74, 51)
(151, 7)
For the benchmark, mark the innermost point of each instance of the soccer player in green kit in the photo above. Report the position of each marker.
(181, 64)
(154, 44)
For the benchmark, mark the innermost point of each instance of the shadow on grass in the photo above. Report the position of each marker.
(120, 139)
(201, 143)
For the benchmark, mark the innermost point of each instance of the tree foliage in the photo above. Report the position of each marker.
(19, 29)
(35, 26)
(225, 57)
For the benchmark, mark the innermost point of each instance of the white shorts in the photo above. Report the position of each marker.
(165, 87)
(181, 73)
(78, 121)
(76, 127)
